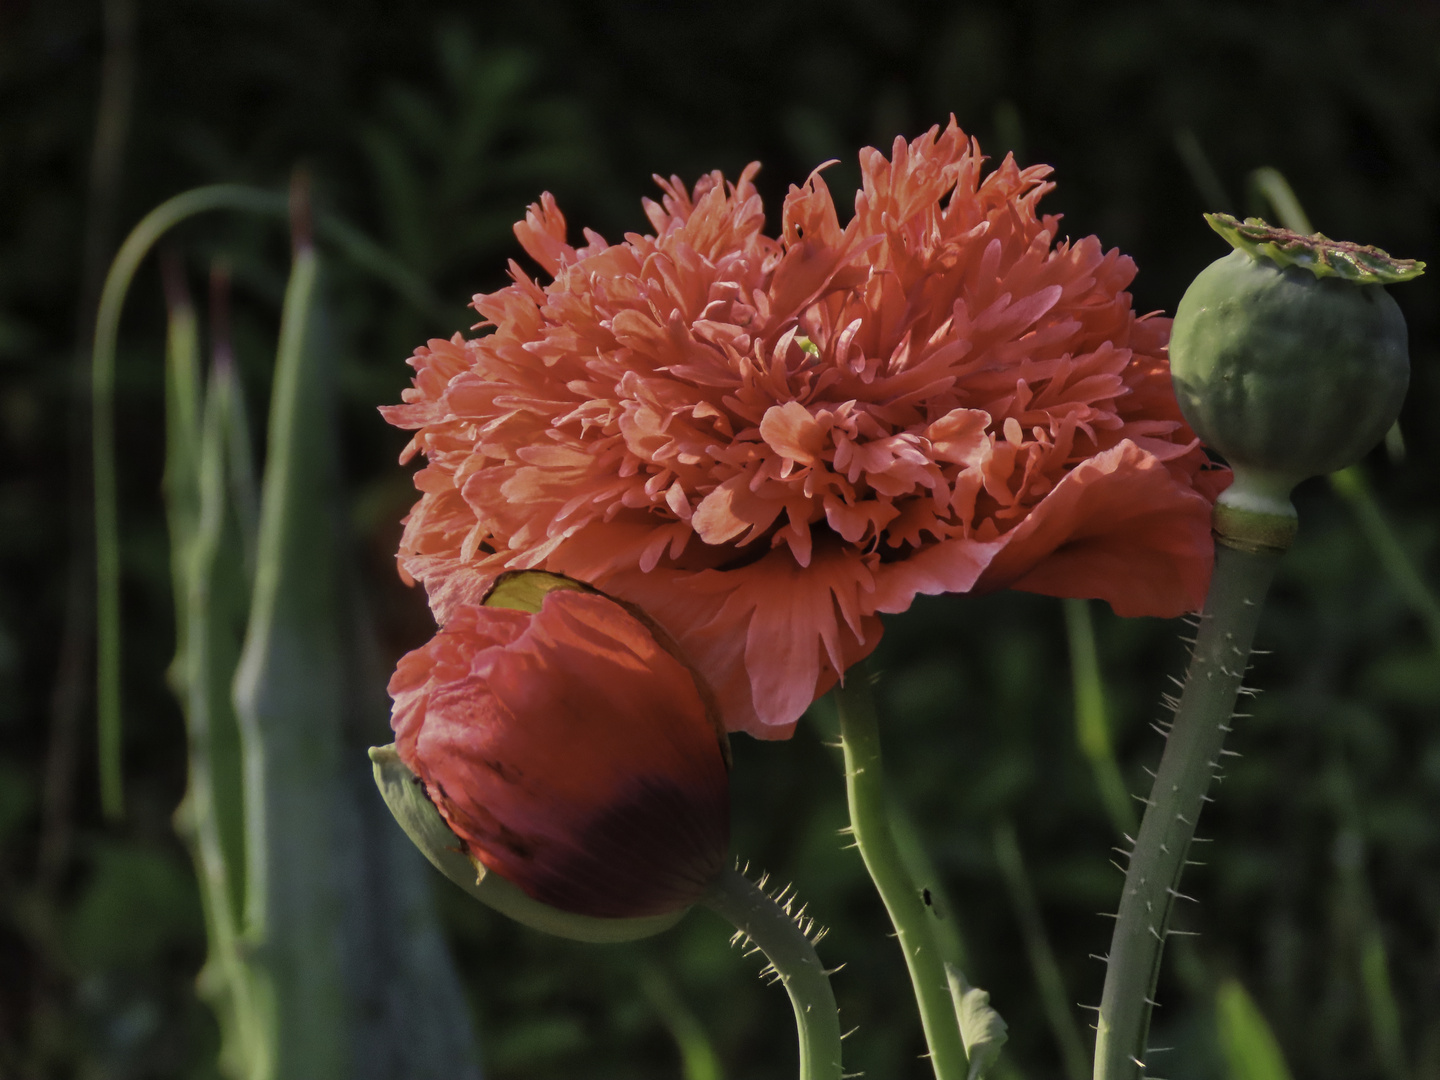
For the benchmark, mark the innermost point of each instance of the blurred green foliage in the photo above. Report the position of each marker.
(432, 126)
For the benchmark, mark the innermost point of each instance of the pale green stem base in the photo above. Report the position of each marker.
(744, 905)
(1192, 756)
(870, 820)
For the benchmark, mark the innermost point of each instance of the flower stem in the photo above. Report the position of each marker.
(870, 821)
(791, 953)
(1192, 755)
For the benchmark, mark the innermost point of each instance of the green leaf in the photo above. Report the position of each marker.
(1249, 1046)
(982, 1029)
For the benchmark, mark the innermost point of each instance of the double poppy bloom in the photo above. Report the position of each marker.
(767, 442)
(764, 444)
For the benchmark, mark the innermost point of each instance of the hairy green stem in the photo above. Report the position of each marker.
(791, 953)
(870, 820)
(1192, 757)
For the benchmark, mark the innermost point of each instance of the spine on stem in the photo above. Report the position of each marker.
(791, 952)
(1193, 753)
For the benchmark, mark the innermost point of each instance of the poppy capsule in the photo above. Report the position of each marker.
(566, 755)
(1289, 357)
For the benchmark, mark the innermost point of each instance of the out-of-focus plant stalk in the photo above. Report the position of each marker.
(102, 388)
(1353, 487)
(1042, 957)
(1092, 726)
(359, 248)
(791, 953)
(211, 817)
(870, 821)
(698, 1059)
(289, 689)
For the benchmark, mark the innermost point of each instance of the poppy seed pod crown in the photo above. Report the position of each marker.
(569, 753)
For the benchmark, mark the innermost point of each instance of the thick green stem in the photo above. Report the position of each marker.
(745, 906)
(1191, 759)
(870, 820)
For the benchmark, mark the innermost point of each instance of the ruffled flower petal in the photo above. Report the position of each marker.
(766, 442)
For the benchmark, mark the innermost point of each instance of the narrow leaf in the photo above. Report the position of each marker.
(1249, 1046)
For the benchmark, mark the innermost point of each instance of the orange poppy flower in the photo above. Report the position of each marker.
(766, 443)
(571, 752)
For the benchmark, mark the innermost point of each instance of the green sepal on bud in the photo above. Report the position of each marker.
(1291, 360)
(405, 795)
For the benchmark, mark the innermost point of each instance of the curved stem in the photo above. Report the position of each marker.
(102, 387)
(1191, 758)
(745, 906)
(870, 820)
(358, 247)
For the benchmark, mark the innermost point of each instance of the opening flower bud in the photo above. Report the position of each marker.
(1289, 357)
(571, 755)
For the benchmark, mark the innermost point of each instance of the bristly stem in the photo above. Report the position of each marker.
(1192, 757)
(791, 953)
(870, 820)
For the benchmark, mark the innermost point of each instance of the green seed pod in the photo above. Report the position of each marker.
(1289, 357)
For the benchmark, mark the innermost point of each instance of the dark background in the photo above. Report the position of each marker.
(431, 126)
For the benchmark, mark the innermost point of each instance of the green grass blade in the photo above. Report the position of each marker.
(698, 1060)
(1092, 725)
(1248, 1044)
(1053, 996)
(1272, 186)
(182, 448)
(1353, 487)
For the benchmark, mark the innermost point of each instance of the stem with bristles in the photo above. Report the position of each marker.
(1243, 571)
(791, 952)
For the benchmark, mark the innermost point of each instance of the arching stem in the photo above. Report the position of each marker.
(743, 904)
(870, 820)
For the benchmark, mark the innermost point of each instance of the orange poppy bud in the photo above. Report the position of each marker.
(569, 750)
